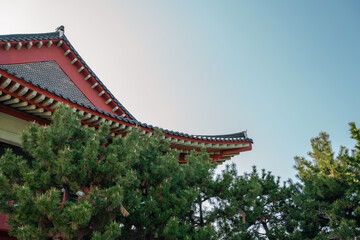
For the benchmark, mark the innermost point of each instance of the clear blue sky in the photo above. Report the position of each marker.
(283, 70)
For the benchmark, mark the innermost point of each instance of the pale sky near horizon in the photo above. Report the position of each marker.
(283, 70)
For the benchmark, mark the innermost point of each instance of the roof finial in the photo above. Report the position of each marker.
(61, 30)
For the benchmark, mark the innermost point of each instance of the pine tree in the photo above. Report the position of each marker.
(78, 183)
(330, 201)
(68, 187)
(254, 206)
(160, 193)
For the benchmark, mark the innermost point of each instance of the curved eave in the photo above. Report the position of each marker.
(27, 41)
(21, 98)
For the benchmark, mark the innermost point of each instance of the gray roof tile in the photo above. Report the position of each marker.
(48, 75)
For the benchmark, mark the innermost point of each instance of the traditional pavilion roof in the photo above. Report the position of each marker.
(59, 35)
(55, 80)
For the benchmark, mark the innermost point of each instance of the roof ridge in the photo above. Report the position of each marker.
(29, 36)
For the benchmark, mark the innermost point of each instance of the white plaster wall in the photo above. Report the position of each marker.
(11, 129)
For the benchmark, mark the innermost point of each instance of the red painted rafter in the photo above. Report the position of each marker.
(48, 95)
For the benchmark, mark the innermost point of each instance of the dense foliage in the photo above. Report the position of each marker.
(76, 182)
(69, 186)
(330, 201)
(80, 183)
